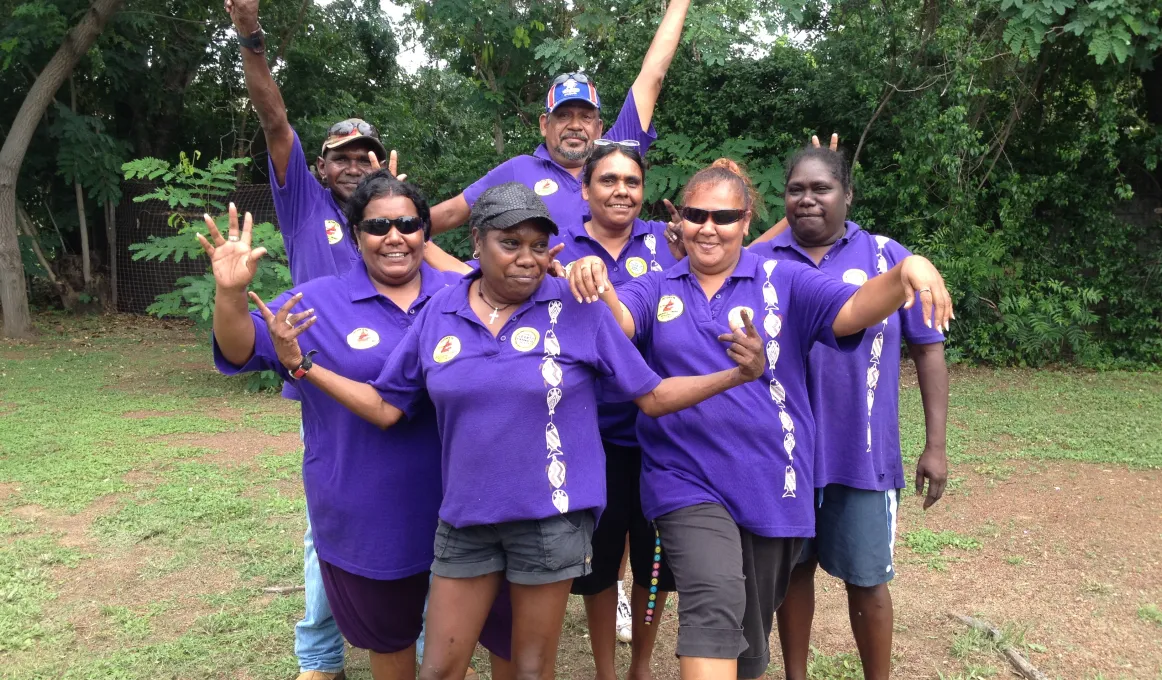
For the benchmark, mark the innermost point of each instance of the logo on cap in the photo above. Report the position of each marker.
(856, 277)
(570, 88)
(545, 187)
(636, 266)
(334, 231)
(446, 349)
(525, 338)
(734, 318)
(363, 338)
(670, 307)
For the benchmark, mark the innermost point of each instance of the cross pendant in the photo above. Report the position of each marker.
(492, 317)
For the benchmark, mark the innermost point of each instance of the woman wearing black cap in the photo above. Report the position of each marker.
(514, 366)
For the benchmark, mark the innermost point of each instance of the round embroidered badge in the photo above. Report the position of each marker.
(334, 231)
(545, 187)
(362, 338)
(525, 338)
(856, 277)
(669, 308)
(636, 266)
(446, 349)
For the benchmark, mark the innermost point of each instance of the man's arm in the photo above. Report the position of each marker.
(648, 85)
(932, 374)
(450, 214)
(264, 94)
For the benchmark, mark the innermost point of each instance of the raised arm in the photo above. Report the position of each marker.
(883, 295)
(234, 265)
(677, 393)
(264, 94)
(648, 84)
(450, 214)
(932, 374)
(359, 398)
(440, 260)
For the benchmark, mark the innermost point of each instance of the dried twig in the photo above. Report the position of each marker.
(283, 590)
(1018, 662)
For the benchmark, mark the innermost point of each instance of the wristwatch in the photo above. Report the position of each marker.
(305, 365)
(255, 42)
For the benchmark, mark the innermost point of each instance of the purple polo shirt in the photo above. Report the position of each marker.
(646, 251)
(749, 449)
(856, 395)
(373, 495)
(517, 413)
(314, 230)
(559, 189)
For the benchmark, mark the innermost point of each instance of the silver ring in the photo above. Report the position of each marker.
(924, 290)
(232, 238)
(289, 322)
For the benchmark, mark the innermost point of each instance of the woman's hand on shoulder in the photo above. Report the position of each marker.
(920, 277)
(233, 261)
(589, 279)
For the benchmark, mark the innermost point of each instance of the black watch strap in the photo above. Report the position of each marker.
(305, 365)
(255, 42)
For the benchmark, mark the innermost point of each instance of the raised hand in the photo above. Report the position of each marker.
(921, 277)
(285, 329)
(392, 163)
(746, 349)
(232, 259)
(674, 231)
(834, 141)
(588, 279)
(556, 269)
(244, 14)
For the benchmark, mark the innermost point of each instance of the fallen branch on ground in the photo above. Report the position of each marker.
(1019, 663)
(283, 590)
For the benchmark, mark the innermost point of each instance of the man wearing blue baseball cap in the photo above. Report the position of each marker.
(570, 123)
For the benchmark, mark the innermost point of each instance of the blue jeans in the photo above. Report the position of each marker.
(318, 643)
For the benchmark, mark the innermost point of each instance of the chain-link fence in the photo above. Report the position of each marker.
(140, 281)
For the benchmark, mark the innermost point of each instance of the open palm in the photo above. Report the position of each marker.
(233, 261)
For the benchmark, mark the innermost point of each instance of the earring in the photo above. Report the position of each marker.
(476, 254)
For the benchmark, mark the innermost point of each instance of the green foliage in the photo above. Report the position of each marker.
(1150, 613)
(191, 192)
(924, 541)
(89, 155)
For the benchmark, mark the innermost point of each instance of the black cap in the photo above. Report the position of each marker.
(507, 205)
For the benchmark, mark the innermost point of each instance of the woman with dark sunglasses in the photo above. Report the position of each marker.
(373, 497)
(732, 499)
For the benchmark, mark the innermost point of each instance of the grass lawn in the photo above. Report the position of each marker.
(146, 501)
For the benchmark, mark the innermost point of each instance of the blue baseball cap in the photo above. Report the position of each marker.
(571, 87)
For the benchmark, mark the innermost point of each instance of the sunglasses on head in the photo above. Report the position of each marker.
(346, 127)
(720, 217)
(380, 226)
(579, 77)
(627, 144)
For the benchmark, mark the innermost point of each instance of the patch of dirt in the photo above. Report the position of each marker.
(1086, 538)
(135, 578)
(8, 490)
(237, 448)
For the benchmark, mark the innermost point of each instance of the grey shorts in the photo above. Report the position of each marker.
(529, 552)
(855, 534)
(730, 582)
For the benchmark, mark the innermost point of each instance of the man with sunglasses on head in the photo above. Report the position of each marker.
(314, 230)
(570, 124)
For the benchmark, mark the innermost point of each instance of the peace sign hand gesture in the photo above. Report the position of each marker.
(392, 162)
(746, 349)
(233, 261)
(674, 231)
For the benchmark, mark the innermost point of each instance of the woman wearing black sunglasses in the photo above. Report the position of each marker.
(732, 498)
(372, 496)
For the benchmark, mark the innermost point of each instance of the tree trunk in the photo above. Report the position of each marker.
(13, 294)
(111, 236)
(498, 135)
(82, 223)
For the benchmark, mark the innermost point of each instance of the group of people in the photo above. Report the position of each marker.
(482, 439)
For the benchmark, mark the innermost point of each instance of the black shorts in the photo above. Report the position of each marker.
(730, 582)
(623, 515)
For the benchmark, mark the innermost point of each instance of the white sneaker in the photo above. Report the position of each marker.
(624, 616)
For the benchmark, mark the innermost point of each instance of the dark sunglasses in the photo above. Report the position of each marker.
(345, 127)
(579, 77)
(380, 226)
(720, 217)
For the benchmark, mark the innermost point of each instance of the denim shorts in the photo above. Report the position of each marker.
(530, 552)
(855, 534)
